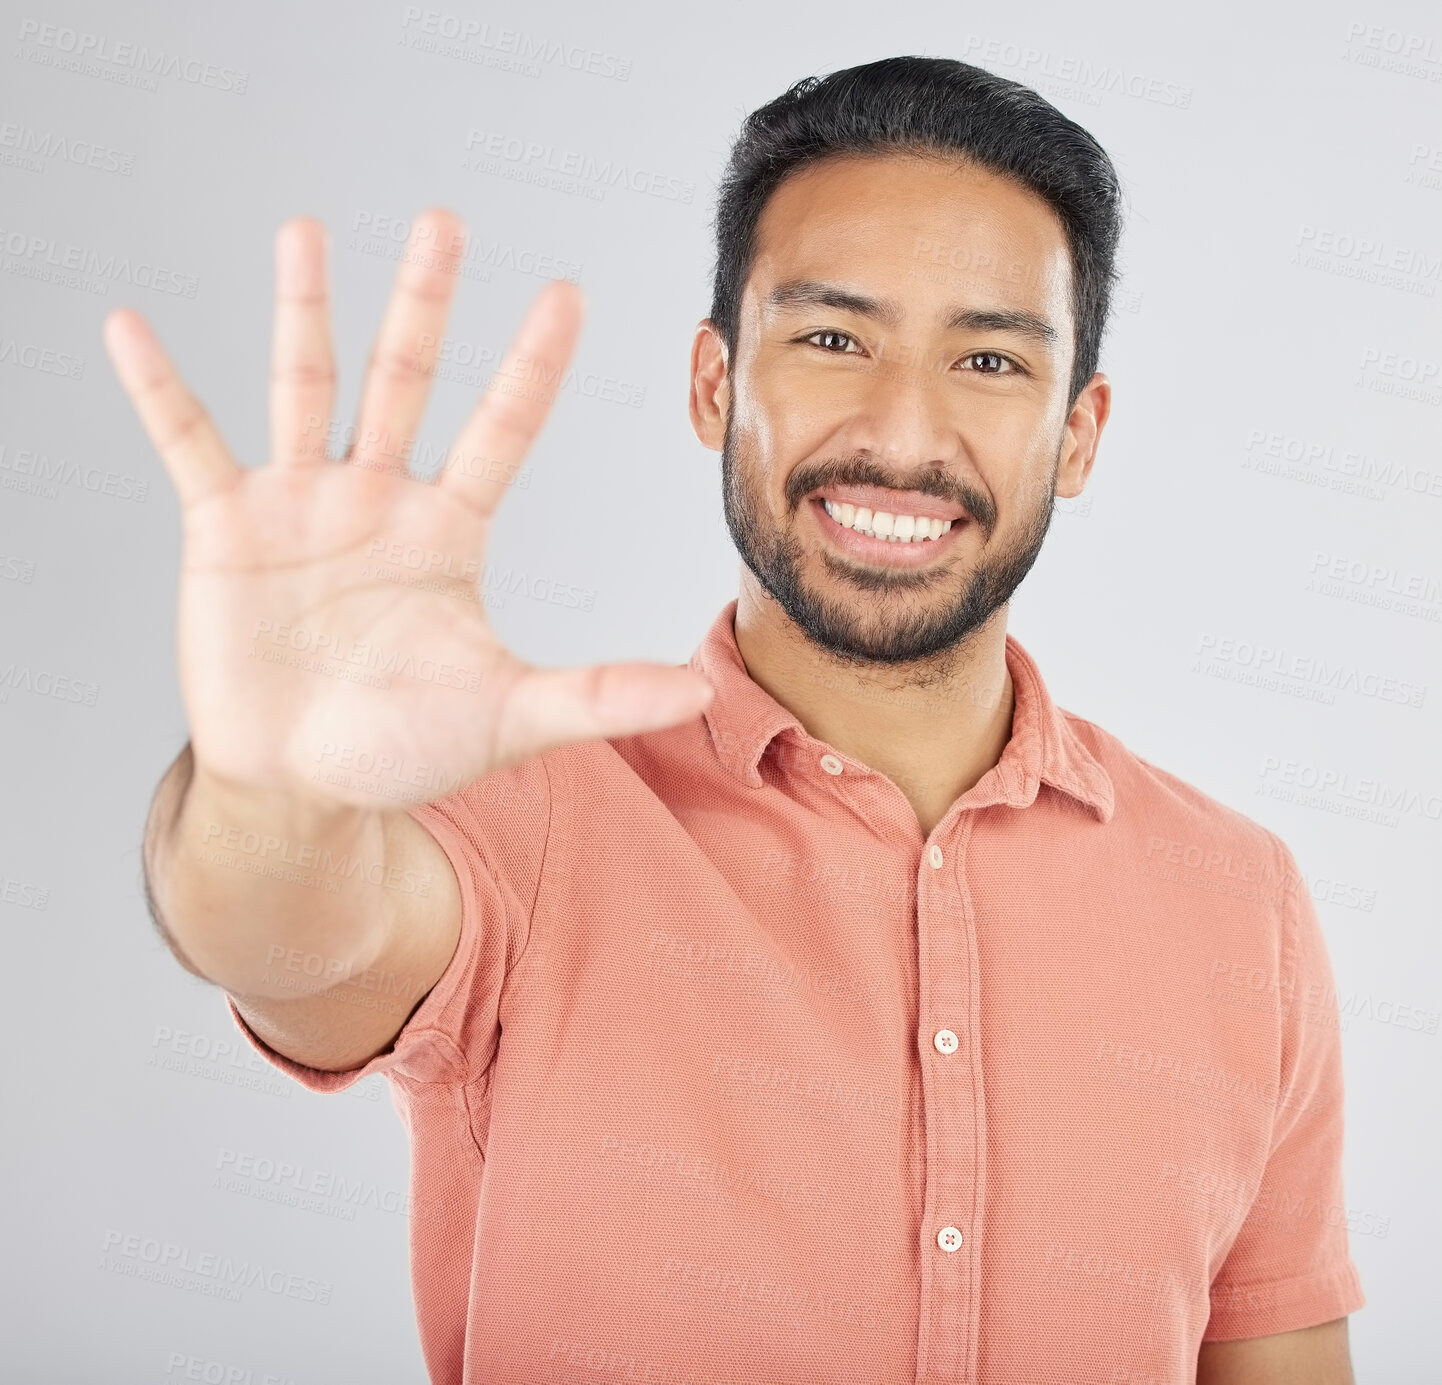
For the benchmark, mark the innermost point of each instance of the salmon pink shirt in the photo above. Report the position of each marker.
(736, 1076)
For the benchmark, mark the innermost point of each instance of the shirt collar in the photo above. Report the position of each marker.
(743, 719)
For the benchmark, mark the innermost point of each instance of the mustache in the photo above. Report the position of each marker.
(866, 471)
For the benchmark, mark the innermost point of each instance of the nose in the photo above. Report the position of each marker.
(904, 415)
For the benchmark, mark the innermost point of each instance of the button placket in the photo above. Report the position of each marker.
(944, 1040)
(954, 1123)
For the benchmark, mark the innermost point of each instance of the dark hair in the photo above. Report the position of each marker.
(935, 106)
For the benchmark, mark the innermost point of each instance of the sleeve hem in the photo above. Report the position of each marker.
(1285, 1305)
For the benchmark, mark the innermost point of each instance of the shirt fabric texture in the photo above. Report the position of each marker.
(735, 1076)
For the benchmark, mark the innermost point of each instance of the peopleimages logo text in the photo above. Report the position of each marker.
(547, 158)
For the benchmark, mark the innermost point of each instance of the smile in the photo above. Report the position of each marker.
(881, 524)
(887, 538)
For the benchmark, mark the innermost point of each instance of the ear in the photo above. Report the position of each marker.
(710, 385)
(1083, 432)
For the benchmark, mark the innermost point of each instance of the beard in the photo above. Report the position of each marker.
(881, 626)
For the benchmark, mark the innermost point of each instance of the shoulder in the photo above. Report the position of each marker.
(1179, 822)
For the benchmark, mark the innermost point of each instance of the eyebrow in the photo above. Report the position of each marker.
(795, 292)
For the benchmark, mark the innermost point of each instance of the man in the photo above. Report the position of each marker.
(834, 1007)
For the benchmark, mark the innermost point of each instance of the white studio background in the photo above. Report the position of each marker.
(1266, 506)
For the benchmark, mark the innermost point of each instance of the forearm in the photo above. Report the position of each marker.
(241, 884)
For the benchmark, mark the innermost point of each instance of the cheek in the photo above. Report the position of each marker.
(796, 416)
(750, 418)
(1022, 484)
(999, 421)
(769, 430)
(1012, 452)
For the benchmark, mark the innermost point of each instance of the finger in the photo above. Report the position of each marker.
(551, 707)
(398, 377)
(193, 452)
(302, 363)
(517, 398)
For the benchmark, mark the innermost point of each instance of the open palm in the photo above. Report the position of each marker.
(332, 641)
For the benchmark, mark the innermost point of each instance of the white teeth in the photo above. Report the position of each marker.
(881, 524)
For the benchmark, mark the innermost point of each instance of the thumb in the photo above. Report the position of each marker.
(551, 707)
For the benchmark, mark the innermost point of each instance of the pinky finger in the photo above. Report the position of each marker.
(194, 454)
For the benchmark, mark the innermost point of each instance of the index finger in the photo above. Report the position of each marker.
(491, 447)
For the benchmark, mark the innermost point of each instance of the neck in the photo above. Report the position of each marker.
(933, 727)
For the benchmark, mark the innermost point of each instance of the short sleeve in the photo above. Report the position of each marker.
(1290, 1266)
(494, 832)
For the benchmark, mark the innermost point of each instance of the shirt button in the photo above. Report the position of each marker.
(934, 856)
(949, 1239)
(831, 764)
(945, 1041)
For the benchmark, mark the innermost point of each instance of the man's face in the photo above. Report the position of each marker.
(903, 358)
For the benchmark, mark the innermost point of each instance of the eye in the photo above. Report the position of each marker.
(830, 336)
(994, 363)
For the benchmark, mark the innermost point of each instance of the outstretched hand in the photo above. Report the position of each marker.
(330, 617)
